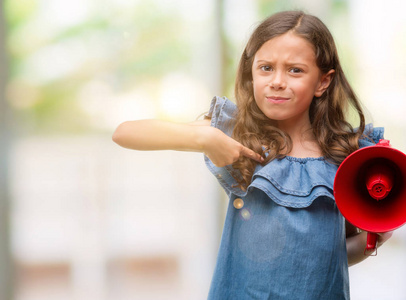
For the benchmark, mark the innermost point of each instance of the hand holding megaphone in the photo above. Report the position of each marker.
(370, 190)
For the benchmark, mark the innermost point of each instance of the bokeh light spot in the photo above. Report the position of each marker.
(245, 214)
(238, 203)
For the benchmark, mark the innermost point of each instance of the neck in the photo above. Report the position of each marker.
(298, 130)
(304, 143)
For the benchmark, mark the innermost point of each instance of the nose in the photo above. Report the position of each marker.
(277, 81)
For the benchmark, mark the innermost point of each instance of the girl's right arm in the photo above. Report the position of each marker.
(198, 136)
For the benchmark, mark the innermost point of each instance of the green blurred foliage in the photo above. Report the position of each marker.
(269, 7)
(123, 48)
(18, 11)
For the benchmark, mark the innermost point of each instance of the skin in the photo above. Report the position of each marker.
(286, 80)
(197, 136)
(356, 243)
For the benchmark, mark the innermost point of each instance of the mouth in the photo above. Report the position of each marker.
(276, 99)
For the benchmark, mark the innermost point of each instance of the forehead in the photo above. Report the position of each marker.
(288, 46)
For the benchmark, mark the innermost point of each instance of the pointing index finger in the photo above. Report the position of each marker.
(251, 154)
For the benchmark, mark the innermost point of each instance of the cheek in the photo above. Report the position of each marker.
(304, 89)
(258, 84)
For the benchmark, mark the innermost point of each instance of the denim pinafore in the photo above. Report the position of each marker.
(283, 238)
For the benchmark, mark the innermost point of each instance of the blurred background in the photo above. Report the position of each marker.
(82, 218)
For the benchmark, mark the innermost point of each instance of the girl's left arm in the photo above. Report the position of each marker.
(356, 242)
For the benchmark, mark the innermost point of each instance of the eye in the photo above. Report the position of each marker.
(266, 68)
(295, 70)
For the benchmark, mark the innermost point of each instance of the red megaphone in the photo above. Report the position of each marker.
(370, 189)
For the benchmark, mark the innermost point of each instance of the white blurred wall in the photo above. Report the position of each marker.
(378, 36)
(110, 223)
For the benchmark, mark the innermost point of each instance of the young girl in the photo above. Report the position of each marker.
(276, 154)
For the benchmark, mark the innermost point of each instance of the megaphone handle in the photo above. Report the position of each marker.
(372, 239)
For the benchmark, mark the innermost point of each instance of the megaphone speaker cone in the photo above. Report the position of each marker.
(379, 180)
(370, 189)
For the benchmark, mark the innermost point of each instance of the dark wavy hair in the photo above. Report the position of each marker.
(328, 115)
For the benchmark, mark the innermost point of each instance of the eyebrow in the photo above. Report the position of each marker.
(262, 61)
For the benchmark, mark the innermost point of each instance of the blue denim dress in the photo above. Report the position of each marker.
(283, 238)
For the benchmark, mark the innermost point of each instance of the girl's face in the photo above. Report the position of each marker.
(286, 78)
